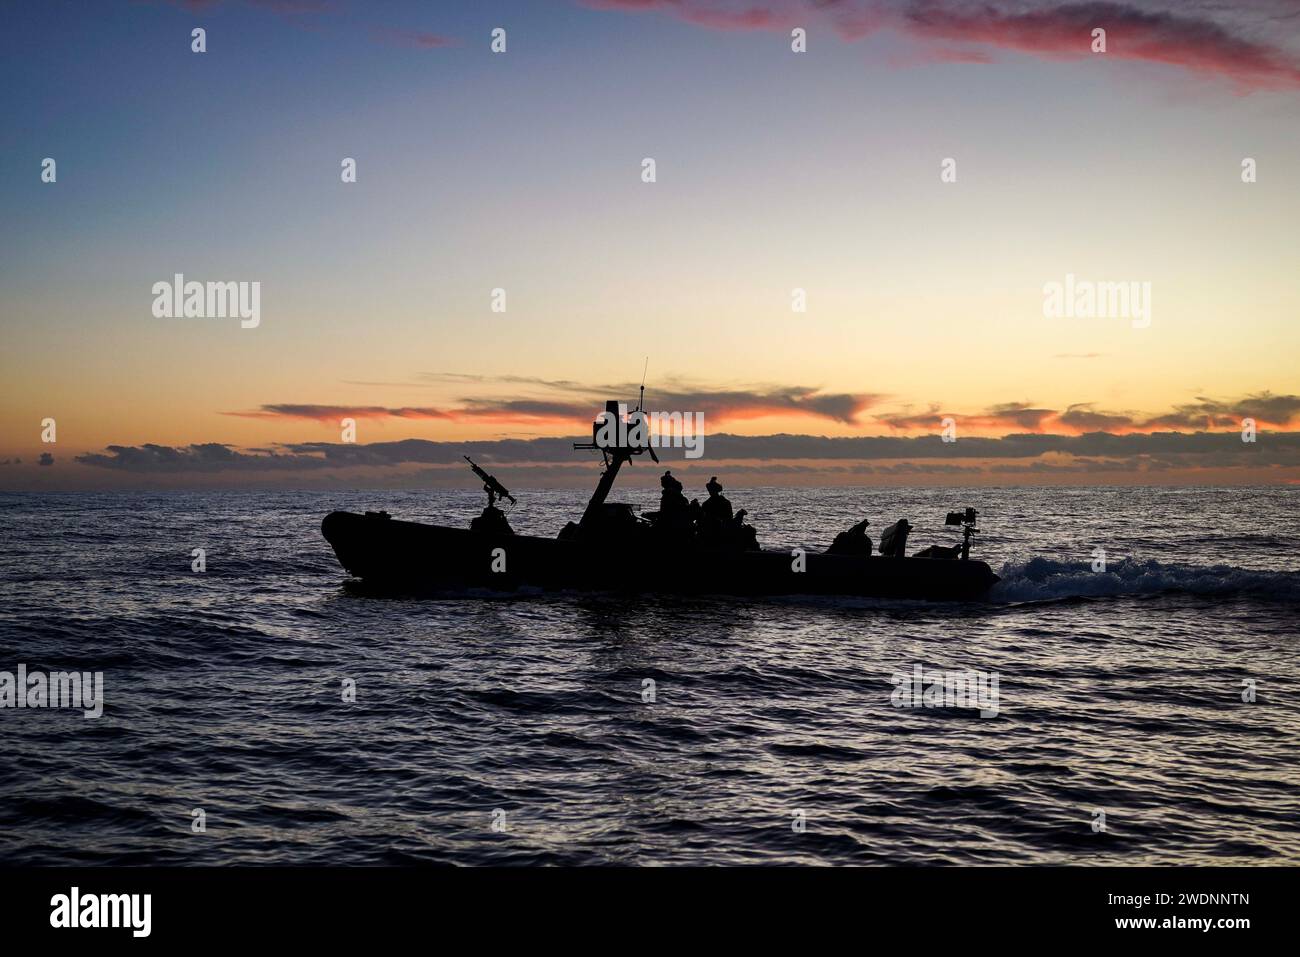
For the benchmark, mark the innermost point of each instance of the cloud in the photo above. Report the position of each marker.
(910, 421)
(1212, 413)
(1085, 418)
(563, 404)
(1232, 42)
(207, 457)
(578, 404)
(890, 454)
(1157, 36)
(1020, 414)
(1204, 413)
(730, 405)
(850, 19)
(332, 413)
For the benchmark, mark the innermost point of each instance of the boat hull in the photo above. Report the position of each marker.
(412, 556)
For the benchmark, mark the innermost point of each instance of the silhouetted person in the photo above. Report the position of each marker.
(717, 524)
(675, 515)
(852, 542)
(893, 540)
(671, 499)
(716, 507)
(744, 535)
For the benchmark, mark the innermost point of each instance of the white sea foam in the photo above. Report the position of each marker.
(1047, 579)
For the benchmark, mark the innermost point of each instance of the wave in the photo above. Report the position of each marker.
(1047, 579)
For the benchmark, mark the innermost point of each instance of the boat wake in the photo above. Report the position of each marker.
(1046, 579)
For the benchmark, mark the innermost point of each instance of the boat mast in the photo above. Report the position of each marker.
(612, 464)
(614, 458)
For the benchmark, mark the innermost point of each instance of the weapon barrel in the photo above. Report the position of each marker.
(478, 471)
(489, 481)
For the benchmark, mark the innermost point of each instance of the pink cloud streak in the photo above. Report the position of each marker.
(1157, 33)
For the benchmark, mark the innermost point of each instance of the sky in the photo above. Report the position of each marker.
(775, 171)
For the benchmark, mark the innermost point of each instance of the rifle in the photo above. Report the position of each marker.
(493, 488)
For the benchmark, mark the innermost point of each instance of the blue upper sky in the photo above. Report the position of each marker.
(522, 171)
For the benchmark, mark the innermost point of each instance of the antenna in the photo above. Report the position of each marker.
(641, 402)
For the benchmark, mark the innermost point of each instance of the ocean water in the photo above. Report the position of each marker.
(490, 730)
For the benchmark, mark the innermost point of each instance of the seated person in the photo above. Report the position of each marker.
(852, 542)
(671, 499)
(746, 536)
(674, 514)
(716, 507)
(893, 540)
